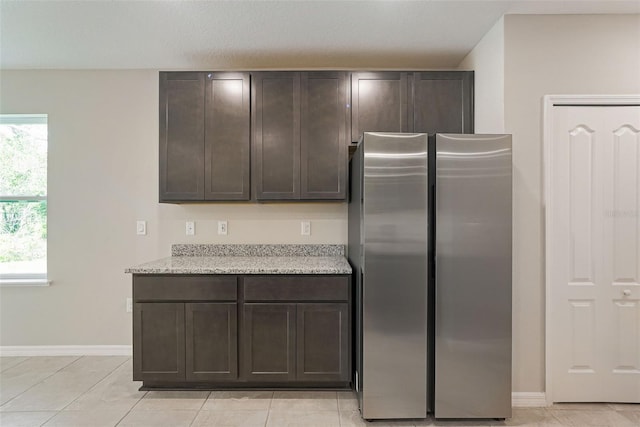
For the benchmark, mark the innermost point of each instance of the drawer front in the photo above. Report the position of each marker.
(296, 288)
(185, 288)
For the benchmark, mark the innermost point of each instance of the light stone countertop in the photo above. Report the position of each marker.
(245, 265)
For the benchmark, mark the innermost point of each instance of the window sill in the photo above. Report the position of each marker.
(25, 282)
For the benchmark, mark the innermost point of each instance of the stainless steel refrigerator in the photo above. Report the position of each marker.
(473, 276)
(430, 246)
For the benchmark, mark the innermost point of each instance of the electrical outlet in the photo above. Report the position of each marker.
(222, 227)
(129, 305)
(141, 228)
(191, 228)
(305, 228)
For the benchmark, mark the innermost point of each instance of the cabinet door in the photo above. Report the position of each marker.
(158, 342)
(276, 135)
(211, 341)
(323, 129)
(269, 342)
(323, 342)
(379, 103)
(181, 136)
(443, 102)
(227, 138)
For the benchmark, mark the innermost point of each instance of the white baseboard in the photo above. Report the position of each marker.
(65, 350)
(520, 399)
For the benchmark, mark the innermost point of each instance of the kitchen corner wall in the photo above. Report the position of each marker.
(103, 176)
(543, 55)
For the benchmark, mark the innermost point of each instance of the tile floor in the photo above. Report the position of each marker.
(98, 391)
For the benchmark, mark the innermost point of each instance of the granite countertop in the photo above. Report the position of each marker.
(249, 259)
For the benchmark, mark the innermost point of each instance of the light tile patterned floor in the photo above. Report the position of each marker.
(98, 391)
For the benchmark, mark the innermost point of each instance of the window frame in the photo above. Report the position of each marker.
(27, 279)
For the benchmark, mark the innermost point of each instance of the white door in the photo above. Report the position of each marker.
(593, 253)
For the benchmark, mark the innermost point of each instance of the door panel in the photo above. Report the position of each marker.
(443, 102)
(593, 245)
(323, 342)
(581, 148)
(626, 168)
(323, 149)
(181, 136)
(276, 135)
(583, 339)
(211, 341)
(159, 348)
(227, 137)
(626, 321)
(379, 103)
(269, 342)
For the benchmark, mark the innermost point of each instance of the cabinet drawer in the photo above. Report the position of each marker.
(185, 288)
(296, 288)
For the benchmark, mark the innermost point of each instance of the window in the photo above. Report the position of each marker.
(23, 199)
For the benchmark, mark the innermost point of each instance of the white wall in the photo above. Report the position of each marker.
(487, 61)
(103, 176)
(551, 54)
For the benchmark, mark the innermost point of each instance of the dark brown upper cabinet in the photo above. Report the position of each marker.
(443, 102)
(324, 121)
(379, 103)
(181, 136)
(276, 135)
(300, 122)
(427, 101)
(204, 136)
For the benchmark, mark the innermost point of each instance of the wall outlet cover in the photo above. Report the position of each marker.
(190, 228)
(141, 227)
(305, 228)
(222, 228)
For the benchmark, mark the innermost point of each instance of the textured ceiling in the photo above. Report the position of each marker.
(257, 34)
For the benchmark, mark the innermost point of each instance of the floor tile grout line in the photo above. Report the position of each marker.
(266, 421)
(17, 364)
(198, 411)
(50, 418)
(96, 384)
(131, 409)
(41, 381)
(91, 387)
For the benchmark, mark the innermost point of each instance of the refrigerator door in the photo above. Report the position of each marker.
(394, 288)
(473, 276)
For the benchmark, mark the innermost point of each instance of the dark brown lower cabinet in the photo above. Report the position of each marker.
(269, 342)
(178, 342)
(211, 341)
(158, 342)
(297, 342)
(217, 331)
(322, 342)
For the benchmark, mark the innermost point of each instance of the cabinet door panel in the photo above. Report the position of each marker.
(379, 103)
(443, 102)
(276, 135)
(181, 136)
(269, 342)
(227, 138)
(323, 342)
(323, 149)
(159, 342)
(211, 341)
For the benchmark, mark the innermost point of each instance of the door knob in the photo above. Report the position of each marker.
(626, 292)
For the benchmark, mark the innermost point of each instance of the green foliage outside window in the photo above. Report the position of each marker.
(23, 190)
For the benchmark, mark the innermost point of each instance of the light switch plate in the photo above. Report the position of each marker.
(305, 228)
(190, 228)
(222, 228)
(141, 228)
